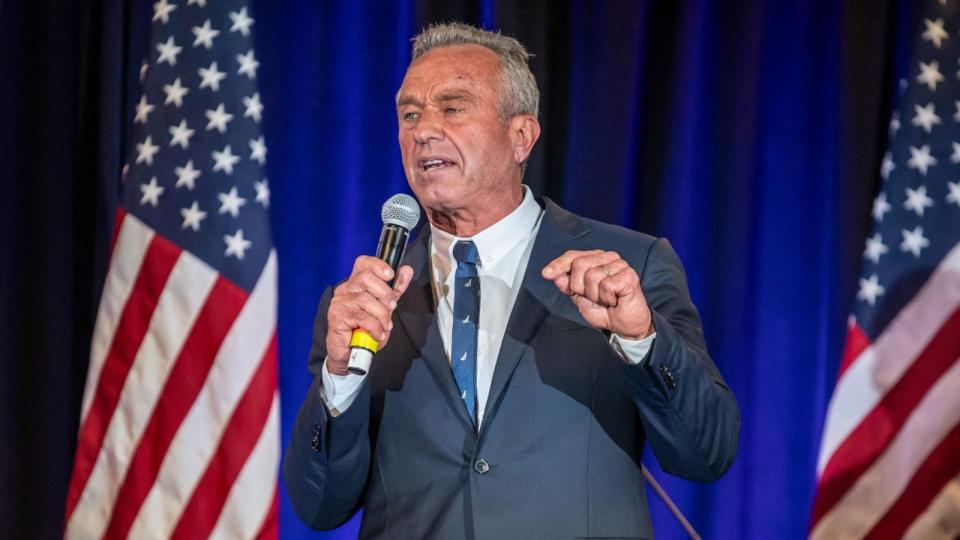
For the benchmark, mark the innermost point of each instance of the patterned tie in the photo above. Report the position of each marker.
(466, 315)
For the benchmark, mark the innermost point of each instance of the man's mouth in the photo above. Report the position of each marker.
(433, 164)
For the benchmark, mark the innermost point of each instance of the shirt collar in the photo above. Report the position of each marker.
(496, 240)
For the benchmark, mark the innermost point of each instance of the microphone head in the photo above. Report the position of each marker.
(401, 210)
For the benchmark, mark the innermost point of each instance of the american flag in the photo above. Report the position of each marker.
(889, 463)
(179, 433)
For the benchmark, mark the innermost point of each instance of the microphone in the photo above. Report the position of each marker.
(400, 214)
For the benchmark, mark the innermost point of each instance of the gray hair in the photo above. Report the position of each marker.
(519, 93)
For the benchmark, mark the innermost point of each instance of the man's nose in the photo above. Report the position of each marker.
(429, 128)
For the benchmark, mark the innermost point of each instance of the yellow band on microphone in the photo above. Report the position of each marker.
(362, 339)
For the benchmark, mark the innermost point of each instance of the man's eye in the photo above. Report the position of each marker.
(410, 116)
(451, 110)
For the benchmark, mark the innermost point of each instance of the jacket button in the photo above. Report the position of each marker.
(481, 466)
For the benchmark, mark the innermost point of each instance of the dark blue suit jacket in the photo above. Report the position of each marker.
(566, 421)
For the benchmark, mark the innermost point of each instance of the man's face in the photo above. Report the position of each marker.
(457, 152)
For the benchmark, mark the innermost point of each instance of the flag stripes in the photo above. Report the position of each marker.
(269, 528)
(255, 486)
(193, 447)
(928, 480)
(857, 342)
(144, 446)
(941, 521)
(242, 433)
(877, 489)
(190, 370)
(874, 433)
(859, 389)
(133, 239)
(131, 330)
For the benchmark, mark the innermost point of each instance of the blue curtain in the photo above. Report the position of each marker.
(747, 132)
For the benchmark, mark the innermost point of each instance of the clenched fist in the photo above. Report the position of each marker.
(605, 289)
(364, 301)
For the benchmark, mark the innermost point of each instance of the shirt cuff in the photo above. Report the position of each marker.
(632, 351)
(339, 391)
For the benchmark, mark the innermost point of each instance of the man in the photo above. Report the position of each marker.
(527, 354)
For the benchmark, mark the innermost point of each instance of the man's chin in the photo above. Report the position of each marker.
(437, 186)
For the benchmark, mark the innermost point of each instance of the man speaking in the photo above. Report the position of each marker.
(527, 354)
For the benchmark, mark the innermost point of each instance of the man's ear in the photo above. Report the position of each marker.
(524, 131)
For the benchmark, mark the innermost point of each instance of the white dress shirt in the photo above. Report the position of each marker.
(504, 249)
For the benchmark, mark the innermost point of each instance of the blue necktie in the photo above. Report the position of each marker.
(466, 315)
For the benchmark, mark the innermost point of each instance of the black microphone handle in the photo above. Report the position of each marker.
(392, 244)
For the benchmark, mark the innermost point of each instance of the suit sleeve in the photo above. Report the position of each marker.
(690, 417)
(328, 459)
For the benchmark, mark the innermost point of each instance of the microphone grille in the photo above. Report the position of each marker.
(401, 210)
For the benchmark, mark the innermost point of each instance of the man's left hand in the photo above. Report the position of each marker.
(605, 289)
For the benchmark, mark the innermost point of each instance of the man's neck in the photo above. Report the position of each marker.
(465, 222)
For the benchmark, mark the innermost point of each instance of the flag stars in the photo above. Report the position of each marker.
(236, 244)
(934, 32)
(175, 93)
(894, 123)
(921, 159)
(241, 21)
(211, 78)
(218, 119)
(146, 150)
(917, 200)
(201, 3)
(930, 75)
(168, 52)
(263, 193)
(956, 115)
(192, 217)
(161, 11)
(254, 107)
(225, 160)
(204, 35)
(925, 117)
(870, 290)
(887, 166)
(913, 241)
(143, 110)
(248, 64)
(181, 135)
(875, 248)
(231, 202)
(258, 150)
(144, 67)
(955, 156)
(151, 193)
(880, 207)
(187, 176)
(954, 195)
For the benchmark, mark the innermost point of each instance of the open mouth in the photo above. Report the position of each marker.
(433, 164)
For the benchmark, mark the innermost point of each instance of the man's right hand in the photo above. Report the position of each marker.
(363, 301)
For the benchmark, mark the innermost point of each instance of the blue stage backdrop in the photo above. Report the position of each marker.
(749, 133)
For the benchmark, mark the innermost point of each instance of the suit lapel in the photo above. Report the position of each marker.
(535, 300)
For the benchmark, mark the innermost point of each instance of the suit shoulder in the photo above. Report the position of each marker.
(620, 234)
(593, 234)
